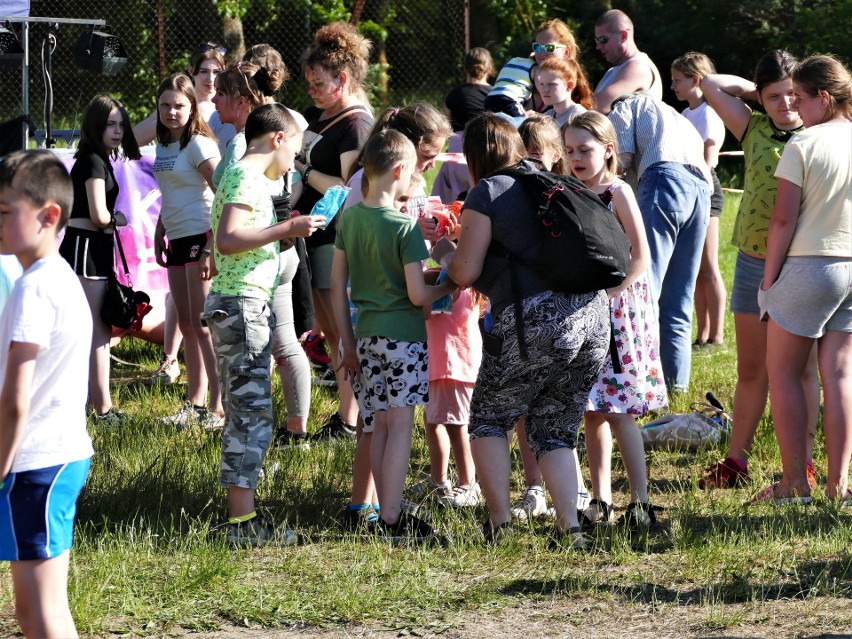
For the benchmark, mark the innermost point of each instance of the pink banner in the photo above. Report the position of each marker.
(139, 200)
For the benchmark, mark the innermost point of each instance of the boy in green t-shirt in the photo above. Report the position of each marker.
(381, 250)
(238, 313)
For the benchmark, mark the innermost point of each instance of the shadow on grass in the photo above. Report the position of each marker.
(812, 579)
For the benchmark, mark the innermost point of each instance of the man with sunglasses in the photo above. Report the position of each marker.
(632, 69)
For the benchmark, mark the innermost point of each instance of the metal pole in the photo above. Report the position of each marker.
(47, 61)
(466, 26)
(25, 82)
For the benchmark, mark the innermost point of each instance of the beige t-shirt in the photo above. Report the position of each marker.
(819, 160)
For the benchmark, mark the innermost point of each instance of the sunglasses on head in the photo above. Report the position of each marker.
(602, 39)
(538, 47)
(201, 49)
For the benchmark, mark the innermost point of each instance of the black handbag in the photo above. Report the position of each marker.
(123, 307)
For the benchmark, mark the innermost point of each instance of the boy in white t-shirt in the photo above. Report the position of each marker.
(44, 447)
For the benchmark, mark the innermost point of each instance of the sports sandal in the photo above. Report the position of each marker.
(598, 513)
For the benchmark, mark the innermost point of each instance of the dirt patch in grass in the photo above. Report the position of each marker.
(815, 618)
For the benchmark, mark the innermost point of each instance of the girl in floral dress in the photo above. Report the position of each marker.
(617, 397)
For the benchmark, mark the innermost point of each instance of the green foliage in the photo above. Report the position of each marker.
(234, 9)
(326, 11)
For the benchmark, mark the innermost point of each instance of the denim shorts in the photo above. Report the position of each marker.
(748, 274)
(812, 295)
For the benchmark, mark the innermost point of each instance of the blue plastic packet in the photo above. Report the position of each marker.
(443, 304)
(330, 204)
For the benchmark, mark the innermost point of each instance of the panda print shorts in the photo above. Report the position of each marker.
(394, 374)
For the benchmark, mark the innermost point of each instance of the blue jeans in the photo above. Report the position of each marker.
(675, 204)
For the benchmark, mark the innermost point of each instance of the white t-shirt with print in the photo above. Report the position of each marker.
(187, 198)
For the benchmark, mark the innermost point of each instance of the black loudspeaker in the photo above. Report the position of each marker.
(100, 53)
(11, 52)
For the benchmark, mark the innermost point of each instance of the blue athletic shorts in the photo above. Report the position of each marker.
(37, 509)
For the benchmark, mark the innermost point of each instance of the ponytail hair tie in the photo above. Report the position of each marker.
(395, 113)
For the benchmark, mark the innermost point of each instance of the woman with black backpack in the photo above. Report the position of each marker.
(541, 364)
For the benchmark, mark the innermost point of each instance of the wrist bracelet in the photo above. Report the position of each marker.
(206, 251)
(306, 173)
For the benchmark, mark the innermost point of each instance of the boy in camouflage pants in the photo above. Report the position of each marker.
(238, 314)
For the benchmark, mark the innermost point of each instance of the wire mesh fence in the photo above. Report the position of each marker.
(418, 46)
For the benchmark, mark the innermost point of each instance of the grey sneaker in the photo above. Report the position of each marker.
(464, 496)
(415, 509)
(429, 488)
(259, 531)
(531, 504)
(186, 416)
(168, 372)
(112, 419)
(209, 420)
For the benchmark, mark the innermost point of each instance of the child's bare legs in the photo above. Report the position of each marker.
(390, 451)
(441, 439)
(532, 473)
(632, 451)
(460, 444)
(599, 454)
(240, 501)
(99, 361)
(753, 387)
(710, 294)
(787, 358)
(835, 354)
(363, 485)
(491, 456)
(559, 469)
(41, 597)
(189, 292)
(172, 335)
(752, 384)
(438, 441)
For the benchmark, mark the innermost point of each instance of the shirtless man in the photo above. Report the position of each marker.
(631, 69)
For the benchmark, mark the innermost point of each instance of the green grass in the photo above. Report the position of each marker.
(148, 560)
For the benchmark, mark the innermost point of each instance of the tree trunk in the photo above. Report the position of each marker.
(234, 39)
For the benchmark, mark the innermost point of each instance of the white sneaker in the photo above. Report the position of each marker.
(186, 416)
(464, 496)
(168, 372)
(531, 504)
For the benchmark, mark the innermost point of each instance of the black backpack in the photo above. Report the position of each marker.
(584, 248)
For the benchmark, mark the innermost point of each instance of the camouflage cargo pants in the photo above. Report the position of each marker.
(241, 328)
